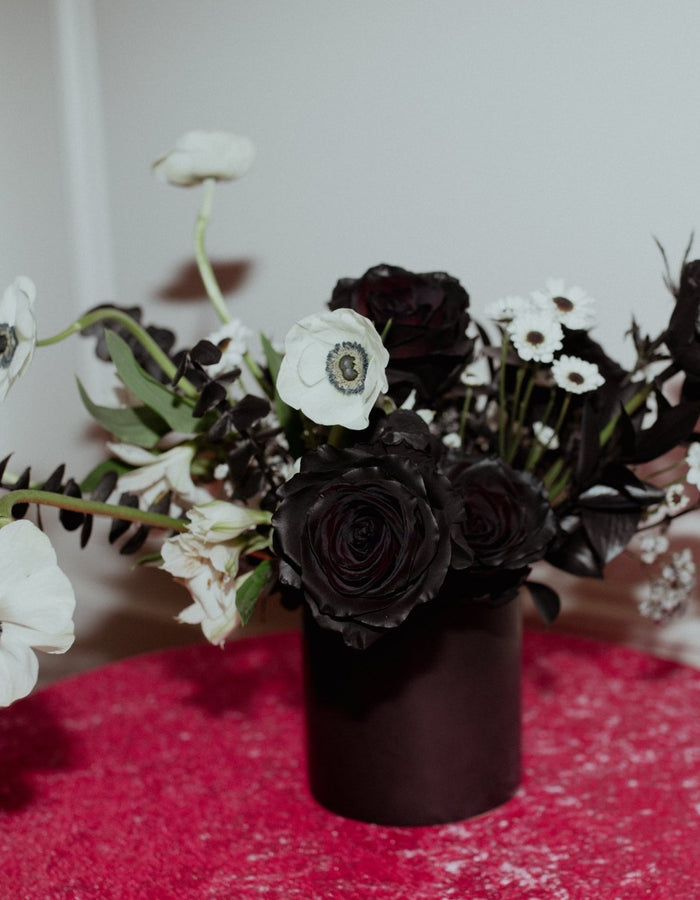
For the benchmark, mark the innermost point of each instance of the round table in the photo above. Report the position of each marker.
(181, 774)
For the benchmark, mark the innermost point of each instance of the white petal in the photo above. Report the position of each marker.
(19, 669)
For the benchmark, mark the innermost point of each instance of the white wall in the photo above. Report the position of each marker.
(501, 141)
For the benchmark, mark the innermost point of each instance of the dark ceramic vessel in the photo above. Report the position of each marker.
(424, 726)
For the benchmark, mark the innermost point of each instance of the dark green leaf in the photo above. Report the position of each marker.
(249, 592)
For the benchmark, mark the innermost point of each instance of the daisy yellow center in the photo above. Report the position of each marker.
(8, 345)
(534, 338)
(346, 367)
(563, 304)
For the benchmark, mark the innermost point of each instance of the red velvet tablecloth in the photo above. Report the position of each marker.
(181, 775)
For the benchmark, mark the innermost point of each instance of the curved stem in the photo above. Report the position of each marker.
(90, 507)
(108, 313)
(205, 270)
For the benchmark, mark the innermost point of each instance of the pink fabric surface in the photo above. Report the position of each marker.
(181, 775)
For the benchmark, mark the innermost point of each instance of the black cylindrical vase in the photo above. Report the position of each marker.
(423, 727)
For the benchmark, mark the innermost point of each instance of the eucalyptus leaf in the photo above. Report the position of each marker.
(133, 425)
(173, 408)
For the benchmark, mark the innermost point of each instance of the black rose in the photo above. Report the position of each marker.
(428, 314)
(507, 523)
(366, 536)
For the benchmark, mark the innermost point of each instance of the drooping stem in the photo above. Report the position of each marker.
(89, 507)
(109, 314)
(206, 272)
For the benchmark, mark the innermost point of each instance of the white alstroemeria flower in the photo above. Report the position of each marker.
(201, 155)
(507, 308)
(536, 335)
(17, 331)
(232, 339)
(157, 473)
(222, 520)
(334, 368)
(576, 375)
(36, 607)
(545, 435)
(210, 573)
(571, 306)
(692, 459)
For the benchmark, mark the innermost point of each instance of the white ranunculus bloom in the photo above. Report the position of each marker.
(201, 155)
(17, 331)
(232, 339)
(222, 520)
(157, 473)
(333, 369)
(209, 571)
(36, 607)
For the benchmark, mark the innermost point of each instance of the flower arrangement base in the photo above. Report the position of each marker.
(423, 727)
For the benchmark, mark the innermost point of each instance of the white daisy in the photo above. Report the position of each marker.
(506, 308)
(651, 546)
(36, 607)
(676, 499)
(545, 435)
(333, 369)
(536, 335)
(571, 306)
(17, 331)
(576, 375)
(692, 459)
(201, 155)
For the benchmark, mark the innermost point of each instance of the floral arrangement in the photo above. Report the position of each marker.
(393, 448)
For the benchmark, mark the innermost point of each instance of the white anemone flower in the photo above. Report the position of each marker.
(333, 369)
(571, 306)
(156, 473)
(201, 155)
(232, 339)
(209, 571)
(17, 331)
(536, 335)
(36, 607)
(220, 520)
(576, 375)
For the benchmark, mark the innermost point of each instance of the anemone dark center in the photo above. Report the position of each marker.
(346, 367)
(8, 345)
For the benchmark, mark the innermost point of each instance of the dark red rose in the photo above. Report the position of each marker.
(507, 524)
(367, 536)
(428, 315)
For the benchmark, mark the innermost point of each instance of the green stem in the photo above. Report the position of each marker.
(464, 413)
(108, 313)
(205, 270)
(90, 507)
(631, 407)
(522, 411)
(502, 397)
(335, 436)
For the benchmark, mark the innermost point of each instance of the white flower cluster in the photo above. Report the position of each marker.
(667, 595)
(535, 326)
